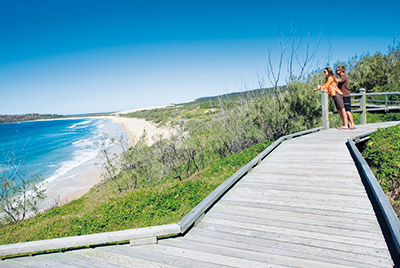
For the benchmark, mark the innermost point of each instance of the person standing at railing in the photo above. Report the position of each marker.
(343, 85)
(331, 88)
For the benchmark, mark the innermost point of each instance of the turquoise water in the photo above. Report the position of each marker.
(52, 148)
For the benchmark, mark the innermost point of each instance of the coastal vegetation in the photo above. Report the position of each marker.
(27, 117)
(215, 136)
(35, 116)
(382, 153)
(197, 109)
(99, 212)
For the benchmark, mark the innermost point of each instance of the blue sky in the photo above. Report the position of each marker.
(72, 57)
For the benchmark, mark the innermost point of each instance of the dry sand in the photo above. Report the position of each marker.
(81, 179)
(135, 128)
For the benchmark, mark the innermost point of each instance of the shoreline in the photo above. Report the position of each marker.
(78, 180)
(81, 179)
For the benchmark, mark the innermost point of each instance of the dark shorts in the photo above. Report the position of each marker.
(347, 103)
(338, 100)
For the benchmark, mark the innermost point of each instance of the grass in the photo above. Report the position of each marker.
(96, 212)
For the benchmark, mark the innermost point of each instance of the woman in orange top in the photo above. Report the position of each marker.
(331, 88)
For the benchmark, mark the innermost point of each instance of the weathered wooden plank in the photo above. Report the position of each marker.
(318, 155)
(213, 257)
(117, 258)
(305, 224)
(297, 240)
(11, 263)
(331, 161)
(282, 201)
(321, 164)
(363, 216)
(305, 171)
(154, 254)
(286, 248)
(263, 173)
(293, 217)
(330, 204)
(304, 194)
(312, 180)
(71, 258)
(304, 199)
(37, 261)
(303, 188)
(345, 240)
(246, 254)
(368, 215)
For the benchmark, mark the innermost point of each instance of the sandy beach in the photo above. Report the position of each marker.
(135, 128)
(81, 179)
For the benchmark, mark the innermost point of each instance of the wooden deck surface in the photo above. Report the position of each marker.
(303, 206)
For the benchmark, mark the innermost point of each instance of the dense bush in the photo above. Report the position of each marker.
(382, 153)
(376, 73)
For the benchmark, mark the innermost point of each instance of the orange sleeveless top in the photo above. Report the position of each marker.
(330, 87)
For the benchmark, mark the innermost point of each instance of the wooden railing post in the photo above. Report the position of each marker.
(325, 109)
(363, 107)
(386, 100)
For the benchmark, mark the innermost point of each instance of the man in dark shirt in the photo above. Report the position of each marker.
(343, 85)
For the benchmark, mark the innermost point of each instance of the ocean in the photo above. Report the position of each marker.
(53, 148)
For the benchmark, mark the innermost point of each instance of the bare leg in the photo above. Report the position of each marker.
(351, 119)
(343, 116)
(340, 115)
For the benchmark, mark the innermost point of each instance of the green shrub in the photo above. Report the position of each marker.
(382, 153)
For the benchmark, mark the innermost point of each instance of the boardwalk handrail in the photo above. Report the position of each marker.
(389, 216)
(136, 236)
(373, 108)
(363, 105)
(375, 93)
(88, 240)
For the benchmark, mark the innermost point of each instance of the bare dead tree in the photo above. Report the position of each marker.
(308, 58)
(297, 57)
(329, 54)
(274, 74)
(295, 46)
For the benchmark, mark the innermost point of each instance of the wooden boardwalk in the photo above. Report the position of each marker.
(303, 206)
